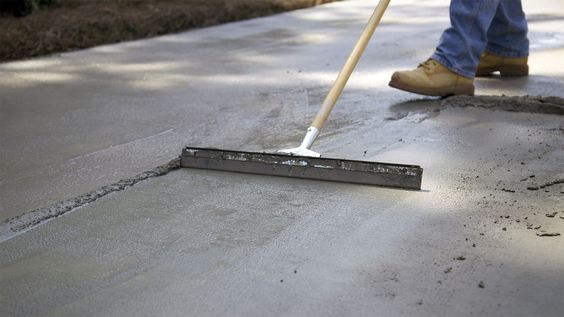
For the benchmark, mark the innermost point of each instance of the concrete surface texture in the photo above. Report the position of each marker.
(480, 239)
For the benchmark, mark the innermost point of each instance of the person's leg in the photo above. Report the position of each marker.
(452, 67)
(507, 47)
(462, 44)
(507, 35)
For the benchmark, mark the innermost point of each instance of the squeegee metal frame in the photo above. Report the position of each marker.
(316, 168)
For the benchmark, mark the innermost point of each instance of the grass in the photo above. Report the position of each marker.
(75, 24)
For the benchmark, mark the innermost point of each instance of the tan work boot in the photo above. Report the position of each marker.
(506, 66)
(432, 79)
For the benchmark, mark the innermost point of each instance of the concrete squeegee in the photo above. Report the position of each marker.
(327, 169)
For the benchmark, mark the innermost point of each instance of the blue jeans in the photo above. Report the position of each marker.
(498, 26)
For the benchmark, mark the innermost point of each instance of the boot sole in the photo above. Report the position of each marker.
(505, 71)
(467, 90)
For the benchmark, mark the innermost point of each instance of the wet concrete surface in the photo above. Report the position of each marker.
(475, 241)
(205, 243)
(74, 122)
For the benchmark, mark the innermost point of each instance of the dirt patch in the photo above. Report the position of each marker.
(76, 24)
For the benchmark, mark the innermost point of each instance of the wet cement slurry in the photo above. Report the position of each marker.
(476, 241)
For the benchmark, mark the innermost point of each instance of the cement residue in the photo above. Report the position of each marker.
(423, 109)
(545, 185)
(16, 225)
(529, 104)
(548, 234)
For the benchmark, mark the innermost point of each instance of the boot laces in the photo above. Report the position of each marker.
(429, 64)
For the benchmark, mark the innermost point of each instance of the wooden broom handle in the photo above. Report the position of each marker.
(352, 61)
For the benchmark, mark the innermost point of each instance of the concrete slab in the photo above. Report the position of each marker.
(74, 122)
(209, 243)
(476, 241)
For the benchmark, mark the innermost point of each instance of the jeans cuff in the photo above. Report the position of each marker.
(443, 61)
(503, 53)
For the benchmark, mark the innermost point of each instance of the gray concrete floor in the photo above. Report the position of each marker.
(210, 243)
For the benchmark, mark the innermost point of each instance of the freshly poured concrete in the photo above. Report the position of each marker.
(211, 243)
(75, 122)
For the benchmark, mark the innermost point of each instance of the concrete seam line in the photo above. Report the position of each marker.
(31, 219)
